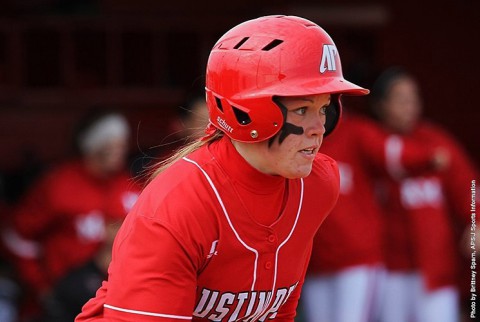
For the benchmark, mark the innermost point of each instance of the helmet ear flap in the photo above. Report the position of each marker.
(334, 112)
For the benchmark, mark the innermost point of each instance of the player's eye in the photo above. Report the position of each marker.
(323, 110)
(300, 111)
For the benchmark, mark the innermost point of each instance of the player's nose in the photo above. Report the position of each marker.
(316, 126)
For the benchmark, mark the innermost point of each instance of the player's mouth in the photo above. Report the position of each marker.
(309, 152)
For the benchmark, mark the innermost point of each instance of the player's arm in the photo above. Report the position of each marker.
(461, 189)
(152, 276)
(458, 181)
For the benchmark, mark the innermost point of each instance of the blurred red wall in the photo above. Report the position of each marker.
(58, 58)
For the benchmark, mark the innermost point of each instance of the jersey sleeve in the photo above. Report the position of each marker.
(158, 253)
(152, 276)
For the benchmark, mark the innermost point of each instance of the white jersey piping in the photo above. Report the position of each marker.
(280, 246)
(160, 315)
(220, 201)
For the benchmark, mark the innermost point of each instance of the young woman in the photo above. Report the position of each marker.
(425, 212)
(61, 222)
(224, 230)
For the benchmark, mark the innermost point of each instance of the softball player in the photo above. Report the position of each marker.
(224, 231)
(60, 223)
(422, 212)
(345, 275)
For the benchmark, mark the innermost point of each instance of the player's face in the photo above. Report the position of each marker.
(293, 158)
(110, 158)
(401, 109)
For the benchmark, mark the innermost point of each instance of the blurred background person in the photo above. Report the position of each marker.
(59, 224)
(9, 292)
(425, 214)
(9, 287)
(346, 271)
(79, 285)
(80, 53)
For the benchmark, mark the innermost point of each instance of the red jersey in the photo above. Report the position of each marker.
(64, 216)
(425, 212)
(194, 247)
(353, 233)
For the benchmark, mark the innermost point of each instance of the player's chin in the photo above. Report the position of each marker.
(300, 171)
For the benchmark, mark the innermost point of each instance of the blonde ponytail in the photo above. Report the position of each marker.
(184, 151)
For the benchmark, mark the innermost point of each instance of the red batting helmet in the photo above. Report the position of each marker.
(267, 57)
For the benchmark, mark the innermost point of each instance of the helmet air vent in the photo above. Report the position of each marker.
(241, 116)
(241, 42)
(274, 43)
(219, 103)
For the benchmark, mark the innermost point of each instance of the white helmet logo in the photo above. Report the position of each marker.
(328, 58)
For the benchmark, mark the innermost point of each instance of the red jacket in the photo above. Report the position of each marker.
(60, 224)
(426, 212)
(353, 233)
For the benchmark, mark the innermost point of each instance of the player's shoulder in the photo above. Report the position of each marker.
(362, 129)
(361, 121)
(323, 182)
(436, 132)
(64, 169)
(179, 188)
(436, 135)
(324, 169)
(324, 161)
(61, 177)
(365, 128)
(433, 128)
(182, 174)
(178, 199)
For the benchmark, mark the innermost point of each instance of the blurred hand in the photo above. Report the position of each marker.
(441, 159)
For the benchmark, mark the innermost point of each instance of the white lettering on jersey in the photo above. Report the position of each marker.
(279, 300)
(213, 249)
(393, 156)
(263, 301)
(346, 178)
(244, 306)
(328, 58)
(421, 192)
(204, 306)
(224, 124)
(91, 227)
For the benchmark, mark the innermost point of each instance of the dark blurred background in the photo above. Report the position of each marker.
(145, 57)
